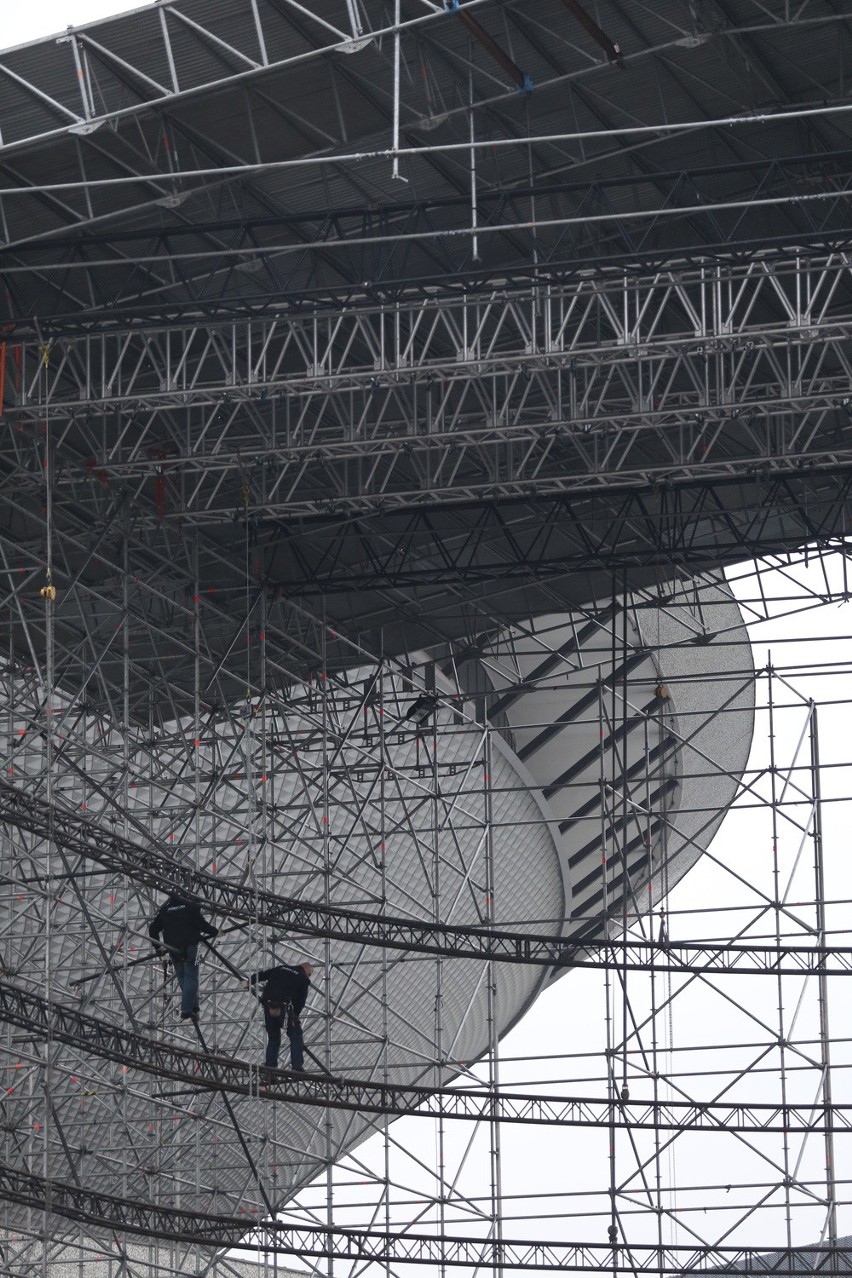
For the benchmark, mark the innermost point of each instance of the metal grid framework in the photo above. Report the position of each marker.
(362, 358)
(653, 1116)
(712, 373)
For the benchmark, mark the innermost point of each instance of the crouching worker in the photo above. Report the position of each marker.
(285, 992)
(180, 924)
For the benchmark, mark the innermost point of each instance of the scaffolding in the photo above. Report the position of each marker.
(424, 544)
(531, 1046)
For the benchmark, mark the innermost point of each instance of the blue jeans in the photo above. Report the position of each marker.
(273, 1040)
(186, 971)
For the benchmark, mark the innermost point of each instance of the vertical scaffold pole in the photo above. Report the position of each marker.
(376, 692)
(397, 53)
(438, 1052)
(48, 594)
(493, 1010)
(830, 1226)
(474, 211)
(620, 773)
(325, 841)
(776, 901)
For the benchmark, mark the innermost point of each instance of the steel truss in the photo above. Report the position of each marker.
(375, 1245)
(201, 1070)
(104, 80)
(113, 85)
(162, 873)
(694, 374)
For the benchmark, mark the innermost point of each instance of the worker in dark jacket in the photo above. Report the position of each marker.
(285, 991)
(180, 924)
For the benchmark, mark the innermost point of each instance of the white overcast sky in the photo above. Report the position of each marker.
(22, 22)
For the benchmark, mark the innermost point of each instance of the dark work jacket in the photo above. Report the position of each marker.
(180, 924)
(284, 984)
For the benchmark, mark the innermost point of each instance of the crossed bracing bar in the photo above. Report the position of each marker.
(153, 868)
(212, 1072)
(365, 1245)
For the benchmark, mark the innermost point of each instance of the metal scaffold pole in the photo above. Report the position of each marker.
(829, 1229)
